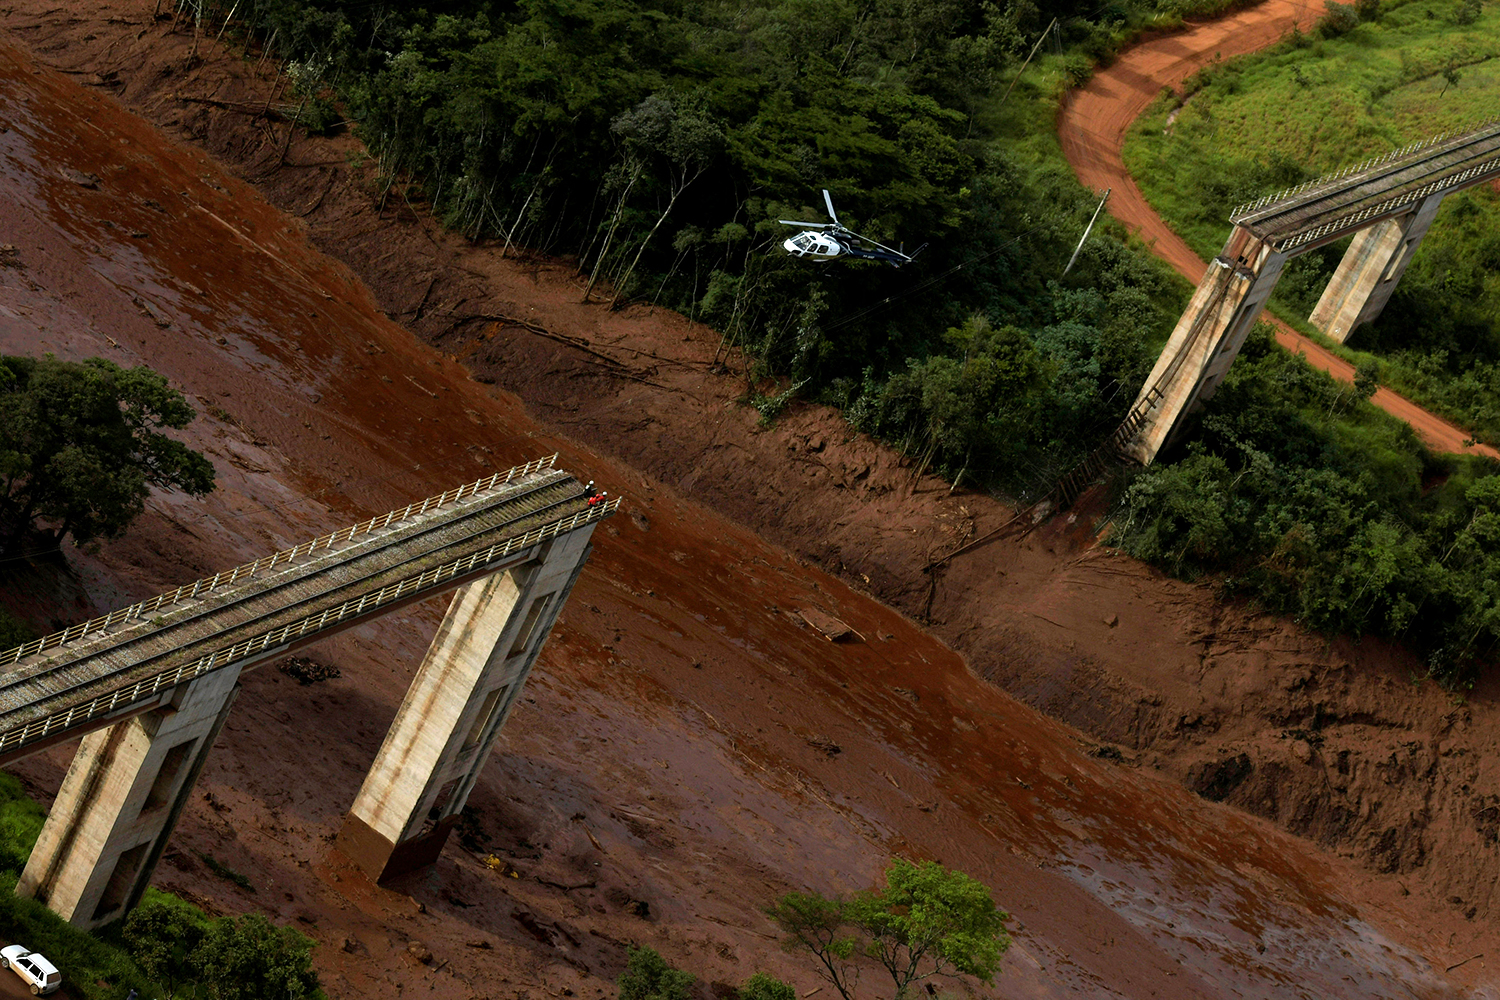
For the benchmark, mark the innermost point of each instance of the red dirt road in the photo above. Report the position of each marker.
(1091, 127)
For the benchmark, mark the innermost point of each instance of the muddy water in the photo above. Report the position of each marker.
(681, 643)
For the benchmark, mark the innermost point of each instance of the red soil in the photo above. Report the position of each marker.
(1091, 126)
(675, 744)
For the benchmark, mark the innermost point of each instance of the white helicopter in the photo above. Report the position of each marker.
(827, 240)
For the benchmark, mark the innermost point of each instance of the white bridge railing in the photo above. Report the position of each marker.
(207, 584)
(1481, 170)
(1424, 148)
(145, 688)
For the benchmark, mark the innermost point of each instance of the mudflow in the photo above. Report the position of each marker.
(1174, 798)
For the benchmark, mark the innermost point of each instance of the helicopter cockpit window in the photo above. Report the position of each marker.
(805, 241)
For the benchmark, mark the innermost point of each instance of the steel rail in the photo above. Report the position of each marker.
(246, 570)
(1334, 229)
(15, 680)
(1405, 156)
(431, 580)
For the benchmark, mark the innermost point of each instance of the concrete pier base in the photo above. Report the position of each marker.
(1205, 342)
(1370, 271)
(120, 801)
(463, 692)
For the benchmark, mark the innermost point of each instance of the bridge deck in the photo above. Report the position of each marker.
(119, 665)
(1329, 207)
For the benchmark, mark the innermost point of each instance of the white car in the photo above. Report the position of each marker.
(35, 971)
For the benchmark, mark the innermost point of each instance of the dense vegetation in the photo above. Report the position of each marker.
(1371, 78)
(165, 942)
(658, 145)
(1342, 522)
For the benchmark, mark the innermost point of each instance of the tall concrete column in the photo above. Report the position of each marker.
(460, 698)
(1373, 264)
(1205, 341)
(120, 801)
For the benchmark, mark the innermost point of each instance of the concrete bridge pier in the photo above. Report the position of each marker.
(1371, 269)
(1205, 341)
(120, 801)
(472, 675)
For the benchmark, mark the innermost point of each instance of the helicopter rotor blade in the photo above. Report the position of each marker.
(828, 200)
(881, 246)
(807, 225)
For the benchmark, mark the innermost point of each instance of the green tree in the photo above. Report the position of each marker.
(80, 447)
(252, 959)
(1366, 378)
(930, 921)
(762, 986)
(926, 921)
(160, 936)
(814, 923)
(1451, 76)
(680, 134)
(648, 976)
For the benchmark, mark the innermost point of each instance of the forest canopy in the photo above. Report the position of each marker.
(657, 146)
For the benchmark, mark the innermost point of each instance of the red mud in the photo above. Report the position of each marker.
(675, 745)
(1091, 127)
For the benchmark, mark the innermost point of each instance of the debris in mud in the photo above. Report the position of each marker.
(305, 670)
(826, 745)
(833, 629)
(505, 868)
(1109, 753)
(534, 927)
(10, 256)
(81, 178)
(157, 316)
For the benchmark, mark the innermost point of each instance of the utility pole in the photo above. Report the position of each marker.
(1049, 29)
(1073, 259)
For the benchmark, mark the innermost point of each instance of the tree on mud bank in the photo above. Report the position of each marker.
(80, 448)
(927, 921)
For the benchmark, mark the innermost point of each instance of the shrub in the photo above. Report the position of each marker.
(1338, 19)
(648, 976)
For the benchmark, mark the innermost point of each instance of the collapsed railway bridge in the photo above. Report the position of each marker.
(149, 687)
(1386, 204)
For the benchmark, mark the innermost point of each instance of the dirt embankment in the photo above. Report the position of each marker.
(1331, 741)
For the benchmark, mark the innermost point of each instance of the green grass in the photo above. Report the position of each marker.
(1312, 105)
